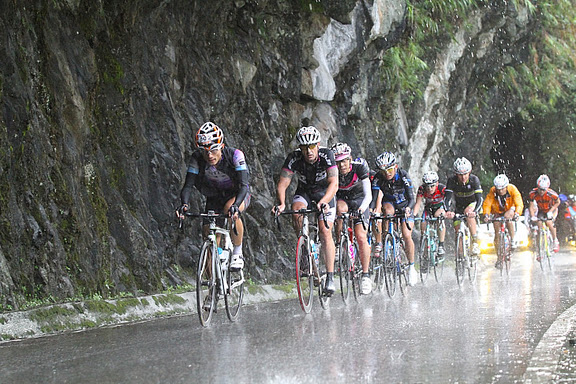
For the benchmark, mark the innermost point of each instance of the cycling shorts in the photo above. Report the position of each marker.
(305, 199)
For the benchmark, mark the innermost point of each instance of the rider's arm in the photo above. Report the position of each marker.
(479, 199)
(283, 184)
(243, 179)
(367, 188)
(448, 199)
(487, 205)
(187, 189)
(332, 178)
(517, 200)
(417, 204)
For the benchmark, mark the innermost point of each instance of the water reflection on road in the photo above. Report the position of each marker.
(482, 332)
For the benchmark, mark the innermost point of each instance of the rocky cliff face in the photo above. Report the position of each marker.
(100, 100)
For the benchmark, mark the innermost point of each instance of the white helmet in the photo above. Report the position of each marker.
(501, 181)
(341, 151)
(462, 166)
(308, 135)
(209, 137)
(430, 177)
(543, 182)
(385, 160)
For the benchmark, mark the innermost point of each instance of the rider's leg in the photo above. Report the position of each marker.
(408, 242)
(341, 207)
(363, 246)
(328, 248)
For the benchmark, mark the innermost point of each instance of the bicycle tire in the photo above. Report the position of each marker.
(344, 266)
(507, 253)
(460, 258)
(424, 258)
(234, 292)
(542, 246)
(206, 284)
(550, 250)
(304, 274)
(377, 267)
(402, 268)
(500, 252)
(321, 273)
(356, 272)
(390, 271)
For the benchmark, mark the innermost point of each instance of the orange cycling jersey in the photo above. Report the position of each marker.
(546, 201)
(496, 204)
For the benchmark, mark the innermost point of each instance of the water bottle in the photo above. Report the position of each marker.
(314, 252)
(224, 256)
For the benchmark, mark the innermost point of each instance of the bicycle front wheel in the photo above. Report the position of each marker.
(304, 274)
(356, 272)
(424, 258)
(206, 284)
(377, 266)
(460, 258)
(550, 242)
(390, 271)
(542, 248)
(402, 268)
(345, 267)
(507, 253)
(234, 292)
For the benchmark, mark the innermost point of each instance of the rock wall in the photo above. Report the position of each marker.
(100, 100)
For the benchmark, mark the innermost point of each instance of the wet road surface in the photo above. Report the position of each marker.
(483, 332)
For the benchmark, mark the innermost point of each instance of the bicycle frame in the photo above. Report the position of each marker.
(348, 258)
(544, 244)
(463, 249)
(215, 274)
(393, 249)
(429, 243)
(308, 261)
(504, 248)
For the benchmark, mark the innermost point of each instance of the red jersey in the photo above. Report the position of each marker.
(546, 201)
(432, 200)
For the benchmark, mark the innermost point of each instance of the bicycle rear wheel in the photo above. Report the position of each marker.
(344, 266)
(542, 248)
(460, 258)
(390, 271)
(320, 272)
(424, 259)
(206, 285)
(234, 292)
(304, 274)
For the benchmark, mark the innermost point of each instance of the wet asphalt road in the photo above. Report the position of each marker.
(484, 332)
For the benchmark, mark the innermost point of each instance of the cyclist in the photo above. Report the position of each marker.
(220, 173)
(467, 192)
(570, 216)
(544, 203)
(503, 200)
(397, 196)
(317, 182)
(355, 195)
(432, 194)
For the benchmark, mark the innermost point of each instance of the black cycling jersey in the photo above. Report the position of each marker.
(228, 178)
(398, 191)
(464, 195)
(350, 184)
(312, 178)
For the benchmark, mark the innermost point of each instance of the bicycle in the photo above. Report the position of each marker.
(308, 273)
(463, 248)
(394, 267)
(504, 249)
(349, 266)
(225, 281)
(376, 257)
(427, 258)
(544, 244)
